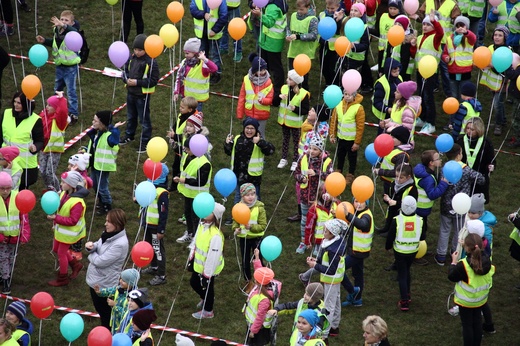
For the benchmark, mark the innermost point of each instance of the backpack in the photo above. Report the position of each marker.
(85, 50)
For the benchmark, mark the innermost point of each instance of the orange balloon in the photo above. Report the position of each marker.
(175, 11)
(31, 86)
(335, 184)
(362, 188)
(302, 64)
(241, 213)
(395, 35)
(342, 46)
(237, 28)
(343, 209)
(482, 57)
(153, 46)
(450, 105)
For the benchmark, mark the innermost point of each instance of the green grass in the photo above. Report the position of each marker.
(427, 323)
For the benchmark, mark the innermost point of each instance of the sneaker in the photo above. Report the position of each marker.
(157, 280)
(7, 30)
(419, 123)
(302, 280)
(375, 68)
(334, 331)
(440, 260)
(355, 303)
(149, 270)
(202, 314)
(125, 140)
(513, 144)
(403, 305)
(229, 221)
(73, 119)
(301, 249)
(351, 297)
(498, 130)
(427, 129)
(186, 238)
(182, 219)
(141, 149)
(6, 288)
(446, 127)
(237, 57)
(294, 218)
(282, 163)
(215, 78)
(489, 328)
(454, 311)
(293, 166)
(223, 51)
(421, 261)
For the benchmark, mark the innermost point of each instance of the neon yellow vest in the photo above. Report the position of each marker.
(387, 163)
(386, 87)
(471, 154)
(285, 115)
(20, 137)
(56, 143)
(515, 235)
(397, 56)
(145, 90)
(444, 15)
(251, 310)
(195, 84)
(358, 56)
(463, 6)
(253, 220)
(10, 220)
(15, 168)
(138, 341)
(18, 334)
(489, 78)
(70, 234)
(191, 173)
(408, 233)
(361, 241)
(423, 202)
(332, 40)
(251, 99)
(428, 48)
(277, 31)
(198, 24)
(470, 114)
(298, 46)
(202, 242)
(476, 7)
(105, 156)
(337, 278)
(255, 167)
(385, 23)
(347, 121)
(321, 217)
(474, 293)
(305, 167)
(462, 54)
(64, 56)
(152, 213)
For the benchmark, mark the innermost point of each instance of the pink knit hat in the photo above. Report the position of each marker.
(9, 153)
(53, 101)
(407, 89)
(403, 20)
(196, 120)
(361, 8)
(5, 179)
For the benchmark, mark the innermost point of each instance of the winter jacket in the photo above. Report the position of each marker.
(458, 272)
(335, 252)
(439, 34)
(308, 194)
(61, 115)
(254, 112)
(489, 220)
(261, 221)
(208, 68)
(76, 210)
(222, 19)
(458, 118)
(465, 184)
(274, 10)
(263, 306)
(431, 183)
(410, 113)
(467, 40)
(360, 119)
(362, 223)
(393, 211)
(26, 326)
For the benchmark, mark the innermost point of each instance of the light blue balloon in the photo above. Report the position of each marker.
(444, 143)
(271, 248)
(354, 29)
(371, 155)
(50, 202)
(452, 171)
(38, 55)
(332, 96)
(225, 181)
(203, 204)
(145, 193)
(502, 59)
(71, 326)
(327, 28)
(120, 339)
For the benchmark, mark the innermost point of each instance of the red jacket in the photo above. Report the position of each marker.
(61, 115)
(469, 40)
(439, 34)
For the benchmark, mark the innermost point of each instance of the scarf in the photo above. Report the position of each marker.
(258, 80)
(327, 242)
(106, 235)
(252, 203)
(398, 186)
(183, 71)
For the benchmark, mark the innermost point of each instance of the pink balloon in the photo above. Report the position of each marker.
(73, 41)
(351, 81)
(260, 3)
(495, 3)
(199, 145)
(516, 60)
(411, 6)
(213, 4)
(118, 53)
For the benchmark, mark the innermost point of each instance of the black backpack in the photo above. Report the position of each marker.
(85, 50)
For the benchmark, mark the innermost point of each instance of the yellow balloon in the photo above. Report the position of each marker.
(169, 35)
(422, 249)
(157, 149)
(427, 66)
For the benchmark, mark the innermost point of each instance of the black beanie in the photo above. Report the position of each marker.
(144, 318)
(468, 89)
(401, 133)
(139, 41)
(105, 117)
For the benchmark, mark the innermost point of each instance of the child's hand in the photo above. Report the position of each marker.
(110, 302)
(59, 94)
(256, 138)
(96, 286)
(89, 246)
(145, 335)
(272, 312)
(432, 16)
(207, 16)
(237, 231)
(355, 147)
(202, 56)
(311, 261)
(51, 217)
(283, 96)
(40, 39)
(256, 252)
(229, 138)
(56, 22)
(454, 257)
(311, 172)
(119, 123)
(391, 202)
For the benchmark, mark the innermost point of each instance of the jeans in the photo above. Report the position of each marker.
(332, 300)
(455, 89)
(102, 308)
(232, 13)
(498, 107)
(66, 77)
(100, 182)
(357, 272)
(447, 223)
(211, 47)
(138, 108)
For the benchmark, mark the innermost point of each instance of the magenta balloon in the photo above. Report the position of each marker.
(73, 41)
(260, 3)
(118, 53)
(351, 81)
(199, 145)
(411, 6)
(214, 4)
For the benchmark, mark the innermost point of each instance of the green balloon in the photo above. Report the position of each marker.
(111, 2)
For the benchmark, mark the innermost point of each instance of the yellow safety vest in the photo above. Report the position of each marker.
(195, 84)
(397, 56)
(305, 167)
(11, 342)
(10, 219)
(408, 233)
(152, 213)
(198, 24)
(15, 168)
(56, 142)
(138, 341)
(191, 173)
(179, 128)
(475, 292)
(386, 87)
(471, 154)
(387, 163)
(20, 137)
(277, 31)
(423, 202)
(233, 3)
(253, 220)
(321, 217)
(332, 40)
(70, 234)
(463, 7)
(105, 156)
(470, 114)
(358, 56)
(444, 15)
(361, 241)
(202, 242)
(337, 278)
(515, 235)
(476, 7)
(513, 24)
(347, 121)
(255, 167)
(462, 54)
(251, 99)
(251, 310)
(63, 56)
(18, 334)
(285, 115)
(489, 78)
(385, 23)
(428, 48)
(297, 47)
(145, 90)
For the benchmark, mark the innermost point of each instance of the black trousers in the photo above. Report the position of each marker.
(103, 309)
(159, 255)
(404, 263)
(29, 177)
(471, 319)
(192, 220)
(130, 8)
(275, 67)
(209, 296)
(247, 246)
(345, 150)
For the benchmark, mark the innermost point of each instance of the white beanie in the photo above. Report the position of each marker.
(181, 340)
(475, 226)
(408, 205)
(192, 45)
(295, 77)
(218, 211)
(80, 160)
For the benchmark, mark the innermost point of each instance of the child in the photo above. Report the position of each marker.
(469, 107)
(505, 14)
(375, 331)
(137, 300)
(403, 236)
(316, 124)
(256, 93)
(11, 166)
(514, 248)
(233, 11)
(15, 314)
(386, 21)
(69, 225)
(306, 328)
(103, 148)
(384, 90)
(401, 52)
(79, 162)
(356, 56)
(327, 52)
(141, 322)
(314, 166)
(55, 121)
(117, 296)
(6, 331)
(295, 103)
(346, 128)
(477, 211)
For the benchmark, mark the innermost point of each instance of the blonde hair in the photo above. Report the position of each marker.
(9, 328)
(67, 13)
(190, 102)
(305, 3)
(376, 326)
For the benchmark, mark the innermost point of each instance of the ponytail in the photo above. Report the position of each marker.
(473, 245)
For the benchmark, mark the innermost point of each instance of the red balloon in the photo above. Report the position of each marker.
(25, 201)
(42, 304)
(142, 254)
(99, 336)
(383, 145)
(152, 170)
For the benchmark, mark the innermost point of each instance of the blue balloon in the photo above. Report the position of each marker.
(444, 143)
(502, 59)
(327, 28)
(332, 96)
(271, 248)
(203, 204)
(354, 29)
(145, 193)
(225, 181)
(370, 154)
(71, 326)
(452, 171)
(50, 202)
(120, 339)
(38, 55)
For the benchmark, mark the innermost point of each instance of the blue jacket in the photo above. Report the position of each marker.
(434, 187)
(199, 14)
(26, 326)
(335, 250)
(512, 38)
(458, 118)
(489, 220)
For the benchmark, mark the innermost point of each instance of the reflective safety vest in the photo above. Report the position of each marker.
(152, 213)
(428, 48)
(489, 78)
(10, 219)
(233, 3)
(190, 172)
(56, 143)
(198, 24)
(251, 99)
(470, 114)
(371, 20)
(11, 342)
(423, 202)
(515, 235)
(513, 24)
(253, 220)
(321, 217)
(255, 167)
(337, 278)
(397, 117)
(332, 40)
(385, 23)
(462, 55)
(397, 56)
(277, 31)
(358, 56)
(463, 7)
(105, 156)
(297, 340)
(296, 47)
(145, 90)
(285, 115)
(408, 233)
(20, 137)
(305, 167)
(386, 87)
(138, 341)
(251, 310)
(475, 292)
(387, 163)
(17, 335)
(62, 55)
(303, 141)
(444, 12)
(471, 154)
(347, 121)
(476, 8)
(195, 84)
(362, 241)
(16, 168)
(304, 306)
(70, 234)
(202, 241)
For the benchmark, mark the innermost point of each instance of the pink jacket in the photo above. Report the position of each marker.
(407, 118)
(263, 306)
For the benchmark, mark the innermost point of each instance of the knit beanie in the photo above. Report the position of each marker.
(130, 276)
(181, 340)
(72, 178)
(53, 101)
(360, 7)
(463, 20)
(251, 121)
(18, 309)
(428, 21)
(80, 160)
(218, 211)
(406, 89)
(257, 63)
(316, 141)
(196, 120)
(504, 29)
(246, 188)
(394, 3)
(468, 89)
(5, 179)
(336, 226)
(401, 133)
(310, 316)
(139, 41)
(9, 153)
(403, 20)
(314, 290)
(408, 205)
(162, 178)
(140, 296)
(295, 77)
(477, 203)
(144, 318)
(192, 45)
(322, 111)
(476, 227)
(105, 117)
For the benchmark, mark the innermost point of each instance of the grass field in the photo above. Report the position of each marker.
(427, 323)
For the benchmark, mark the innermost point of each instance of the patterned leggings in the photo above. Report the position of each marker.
(6, 259)
(287, 132)
(48, 166)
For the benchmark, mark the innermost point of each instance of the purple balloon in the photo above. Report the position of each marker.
(199, 145)
(260, 3)
(73, 41)
(118, 53)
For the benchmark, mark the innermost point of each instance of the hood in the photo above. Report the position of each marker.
(389, 62)
(81, 192)
(477, 106)
(414, 102)
(488, 219)
(357, 99)
(420, 171)
(26, 325)
(280, 3)
(204, 131)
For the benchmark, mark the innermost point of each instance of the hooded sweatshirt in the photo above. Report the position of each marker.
(275, 10)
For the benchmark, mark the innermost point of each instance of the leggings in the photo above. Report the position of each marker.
(64, 257)
(287, 132)
(130, 8)
(209, 296)
(345, 149)
(247, 246)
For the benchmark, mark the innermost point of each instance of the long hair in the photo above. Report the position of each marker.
(473, 245)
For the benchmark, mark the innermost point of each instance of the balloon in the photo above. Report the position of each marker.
(157, 148)
(362, 188)
(264, 275)
(241, 213)
(50, 202)
(351, 81)
(42, 305)
(427, 66)
(411, 6)
(111, 2)
(121, 339)
(73, 41)
(450, 105)
(31, 86)
(395, 35)
(516, 61)
(25, 201)
(38, 55)
(502, 59)
(342, 46)
(142, 254)
(422, 249)
(332, 96)
(461, 203)
(482, 57)
(199, 145)
(260, 3)
(99, 336)
(302, 64)
(153, 46)
(270, 248)
(152, 169)
(169, 35)
(145, 193)
(371, 155)
(213, 4)
(327, 28)
(384, 144)
(354, 29)
(495, 2)
(225, 181)
(237, 28)
(335, 184)
(343, 209)
(175, 11)
(71, 326)
(452, 171)
(118, 53)
(203, 204)
(444, 143)
(518, 83)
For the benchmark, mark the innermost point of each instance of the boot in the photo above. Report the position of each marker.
(104, 209)
(61, 280)
(76, 267)
(349, 178)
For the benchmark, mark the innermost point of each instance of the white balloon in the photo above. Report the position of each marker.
(461, 203)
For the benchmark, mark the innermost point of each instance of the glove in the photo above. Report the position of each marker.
(204, 282)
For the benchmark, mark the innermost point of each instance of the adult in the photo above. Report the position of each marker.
(375, 331)
(132, 8)
(23, 129)
(106, 257)
(4, 61)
